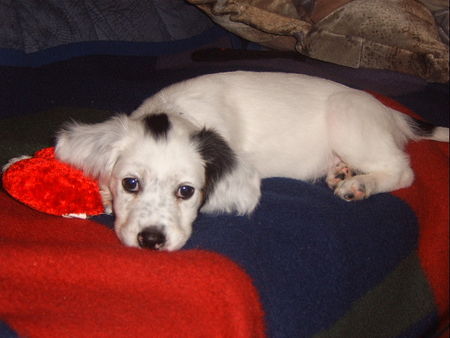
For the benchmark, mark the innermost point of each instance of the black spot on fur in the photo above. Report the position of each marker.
(340, 176)
(158, 125)
(218, 156)
(422, 128)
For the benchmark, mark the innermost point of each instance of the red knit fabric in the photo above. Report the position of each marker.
(72, 278)
(429, 198)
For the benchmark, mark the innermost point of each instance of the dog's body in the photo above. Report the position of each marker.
(207, 142)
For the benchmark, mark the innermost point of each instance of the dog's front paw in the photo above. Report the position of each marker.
(106, 196)
(351, 190)
(108, 209)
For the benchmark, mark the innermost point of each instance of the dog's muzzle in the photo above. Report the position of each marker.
(151, 238)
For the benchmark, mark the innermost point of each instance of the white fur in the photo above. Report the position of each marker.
(277, 124)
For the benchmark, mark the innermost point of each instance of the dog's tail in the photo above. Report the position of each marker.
(428, 131)
(415, 129)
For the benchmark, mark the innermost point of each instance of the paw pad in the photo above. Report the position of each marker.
(341, 173)
(351, 190)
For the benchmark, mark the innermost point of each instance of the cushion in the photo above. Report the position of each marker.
(383, 34)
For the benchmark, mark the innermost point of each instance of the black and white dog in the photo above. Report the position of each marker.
(205, 144)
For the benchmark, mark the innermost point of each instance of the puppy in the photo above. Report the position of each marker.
(206, 143)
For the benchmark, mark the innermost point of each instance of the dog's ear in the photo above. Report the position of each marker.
(93, 148)
(217, 155)
(232, 184)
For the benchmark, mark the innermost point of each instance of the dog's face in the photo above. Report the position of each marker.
(157, 171)
(157, 188)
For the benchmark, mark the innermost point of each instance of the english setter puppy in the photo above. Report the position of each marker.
(206, 143)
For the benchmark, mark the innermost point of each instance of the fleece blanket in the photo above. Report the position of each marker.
(304, 264)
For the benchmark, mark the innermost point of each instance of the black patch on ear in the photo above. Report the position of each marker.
(158, 125)
(218, 156)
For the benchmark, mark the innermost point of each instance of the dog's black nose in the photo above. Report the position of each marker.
(151, 238)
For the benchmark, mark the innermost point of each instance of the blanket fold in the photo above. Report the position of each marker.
(62, 277)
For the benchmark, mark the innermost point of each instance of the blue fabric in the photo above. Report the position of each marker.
(6, 331)
(310, 253)
(18, 58)
(31, 26)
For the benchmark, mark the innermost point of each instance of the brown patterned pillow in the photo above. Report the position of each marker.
(399, 35)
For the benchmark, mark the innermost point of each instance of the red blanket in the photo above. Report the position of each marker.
(429, 198)
(68, 278)
(64, 277)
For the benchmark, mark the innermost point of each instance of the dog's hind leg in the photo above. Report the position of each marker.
(364, 136)
(362, 186)
(338, 173)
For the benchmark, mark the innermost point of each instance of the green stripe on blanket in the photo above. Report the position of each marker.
(380, 308)
(23, 135)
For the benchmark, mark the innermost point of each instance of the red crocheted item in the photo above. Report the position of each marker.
(51, 186)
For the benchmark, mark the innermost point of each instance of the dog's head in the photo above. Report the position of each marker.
(158, 171)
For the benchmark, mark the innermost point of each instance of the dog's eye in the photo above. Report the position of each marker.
(130, 184)
(185, 192)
